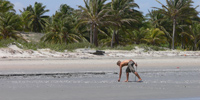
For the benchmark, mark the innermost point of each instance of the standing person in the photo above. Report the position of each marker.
(130, 68)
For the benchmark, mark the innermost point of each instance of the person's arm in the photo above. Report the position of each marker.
(134, 63)
(120, 73)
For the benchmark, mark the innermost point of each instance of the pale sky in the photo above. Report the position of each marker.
(53, 5)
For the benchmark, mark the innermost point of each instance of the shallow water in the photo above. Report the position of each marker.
(176, 76)
(158, 84)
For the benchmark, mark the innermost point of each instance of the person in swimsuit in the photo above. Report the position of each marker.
(130, 68)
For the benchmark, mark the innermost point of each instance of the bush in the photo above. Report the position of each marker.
(5, 43)
(150, 47)
(131, 47)
(57, 47)
(61, 47)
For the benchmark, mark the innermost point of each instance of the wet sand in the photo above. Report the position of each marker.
(96, 79)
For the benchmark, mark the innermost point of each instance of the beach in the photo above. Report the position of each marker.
(85, 76)
(89, 79)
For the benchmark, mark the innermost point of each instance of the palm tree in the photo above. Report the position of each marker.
(63, 12)
(106, 38)
(195, 36)
(61, 31)
(93, 14)
(139, 35)
(158, 20)
(66, 10)
(37, 20)
(9, 22)
(6, 6)
(155, 37)
(25, 17)
(173, 10)
(121, 11)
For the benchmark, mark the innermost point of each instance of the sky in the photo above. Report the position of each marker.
(53, 5)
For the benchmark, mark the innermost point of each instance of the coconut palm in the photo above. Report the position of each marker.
(93, 15)
(174, 10)
(184, 25)
(61, 31)
(61, 27)
(121, 11)
(25, 17)
(64, 11)
(155, 37)
(37, 20)
(6, 6)
(158, 20)
(139, 35)
(9, 23)
(195, 35)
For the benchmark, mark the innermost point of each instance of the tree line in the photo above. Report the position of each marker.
(118, 22)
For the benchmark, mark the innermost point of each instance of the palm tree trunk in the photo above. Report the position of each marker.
(182, 45)
(5, 36)
(116, 38)
(95, 39)
(91, 28)
(112, 41)
(174, 30)
(65, 38)
(195, 44)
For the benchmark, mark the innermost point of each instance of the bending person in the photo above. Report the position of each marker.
(130, 68)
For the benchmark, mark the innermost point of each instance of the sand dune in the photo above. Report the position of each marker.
(14, 52)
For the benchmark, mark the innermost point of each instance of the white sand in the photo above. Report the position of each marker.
(14, 52)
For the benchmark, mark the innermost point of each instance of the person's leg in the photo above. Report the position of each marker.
(132, 69)
(130, 66)
(139, 78)
(127, 76)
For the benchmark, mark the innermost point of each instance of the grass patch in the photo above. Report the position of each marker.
(131, 47)
(70, 47)
(151, 47)
(127, 47)
(41, 45)
(56, 47)
(73, 46)
(6, 43)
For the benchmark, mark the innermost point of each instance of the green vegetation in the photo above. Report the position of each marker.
(5, 43)
(41, 45)
(62, 47)
(112, 25)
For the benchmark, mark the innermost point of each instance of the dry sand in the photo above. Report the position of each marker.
(79, 75)
(13, 52)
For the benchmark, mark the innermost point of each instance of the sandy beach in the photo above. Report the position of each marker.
(79, 75)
